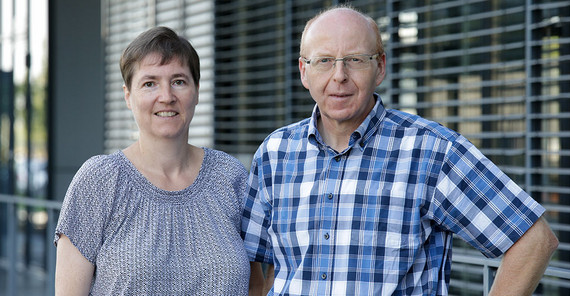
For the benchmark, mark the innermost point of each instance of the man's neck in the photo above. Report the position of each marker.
(336, 136)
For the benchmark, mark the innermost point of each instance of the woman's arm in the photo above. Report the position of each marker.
(269, 279)
(256, 279)
(73, 272)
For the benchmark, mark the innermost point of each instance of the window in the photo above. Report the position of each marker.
(496, 71)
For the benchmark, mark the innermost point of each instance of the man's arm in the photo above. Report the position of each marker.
(524, 263)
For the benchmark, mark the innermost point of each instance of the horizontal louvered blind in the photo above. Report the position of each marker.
(496, 71)
(123, 21)
(257, 82)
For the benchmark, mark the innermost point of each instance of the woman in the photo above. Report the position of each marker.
(161, 217)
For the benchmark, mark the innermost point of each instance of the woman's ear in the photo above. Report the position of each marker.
(127, 96)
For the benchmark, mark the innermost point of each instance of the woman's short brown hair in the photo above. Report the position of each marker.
(165, 42)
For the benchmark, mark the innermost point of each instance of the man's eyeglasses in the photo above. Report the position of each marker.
(352, 62)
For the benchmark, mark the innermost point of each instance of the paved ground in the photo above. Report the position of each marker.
(30, 282)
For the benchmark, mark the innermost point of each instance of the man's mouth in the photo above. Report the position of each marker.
(340, 95)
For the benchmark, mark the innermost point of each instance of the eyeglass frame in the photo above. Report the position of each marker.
(343, 59)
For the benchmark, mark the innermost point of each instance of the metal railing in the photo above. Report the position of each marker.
(10, 203)
(561, 275)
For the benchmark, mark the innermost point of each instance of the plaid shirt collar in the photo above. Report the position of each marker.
(360, 136)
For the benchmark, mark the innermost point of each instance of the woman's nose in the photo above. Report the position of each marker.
(166, 95)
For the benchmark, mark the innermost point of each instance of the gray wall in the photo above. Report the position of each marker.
(76, 123)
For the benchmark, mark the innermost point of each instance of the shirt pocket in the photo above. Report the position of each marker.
(391, 221)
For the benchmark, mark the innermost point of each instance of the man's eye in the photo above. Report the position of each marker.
(324, 60)
(179, 82)
(356, 60)
(148, 84)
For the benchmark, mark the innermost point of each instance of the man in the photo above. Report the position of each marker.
(362, 200)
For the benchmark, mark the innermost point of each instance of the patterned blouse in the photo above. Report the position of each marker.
(143, 240)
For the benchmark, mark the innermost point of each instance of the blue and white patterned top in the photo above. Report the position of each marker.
(377, 218)
(147, 241)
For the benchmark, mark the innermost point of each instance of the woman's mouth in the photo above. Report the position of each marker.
(166, 113)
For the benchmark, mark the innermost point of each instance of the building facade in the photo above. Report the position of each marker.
(497, 71)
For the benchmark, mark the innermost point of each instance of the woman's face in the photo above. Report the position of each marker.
(162, 98)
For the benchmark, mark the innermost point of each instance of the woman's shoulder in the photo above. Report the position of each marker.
(222, 161)
(100, 167)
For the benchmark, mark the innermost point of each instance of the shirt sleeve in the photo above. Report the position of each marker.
(84, 209)
(256, 213)
(478, 202)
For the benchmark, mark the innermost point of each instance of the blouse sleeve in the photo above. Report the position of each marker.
(85, 208)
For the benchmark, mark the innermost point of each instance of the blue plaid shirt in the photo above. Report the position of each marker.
(377, 218)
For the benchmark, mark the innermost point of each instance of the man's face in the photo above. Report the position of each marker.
(344, 96)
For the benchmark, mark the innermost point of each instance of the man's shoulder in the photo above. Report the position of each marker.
(396, 119)
(283, 138)
(294, 130)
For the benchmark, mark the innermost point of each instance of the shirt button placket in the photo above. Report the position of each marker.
(328, 215)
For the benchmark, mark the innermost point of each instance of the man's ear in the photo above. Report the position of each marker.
(381, 69)
(302, 71)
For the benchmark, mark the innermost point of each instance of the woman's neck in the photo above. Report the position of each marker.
(169, 167)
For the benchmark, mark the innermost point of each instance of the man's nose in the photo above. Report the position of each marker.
(340, 70)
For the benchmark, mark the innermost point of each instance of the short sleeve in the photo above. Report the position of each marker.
(86, 206)
(256, 213)
(480, 203)
(230, 172)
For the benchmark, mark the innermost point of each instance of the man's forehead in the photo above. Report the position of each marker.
(339, 17)
(349, 34)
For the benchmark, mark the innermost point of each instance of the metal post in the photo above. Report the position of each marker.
(528, 95)
(487, 279)
(288, 35)
(50, 255)
(11, 287)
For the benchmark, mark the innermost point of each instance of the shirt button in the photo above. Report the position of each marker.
(327, 236)
(337, 158)
(361, 144)
(329, 196)
(324, 276)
